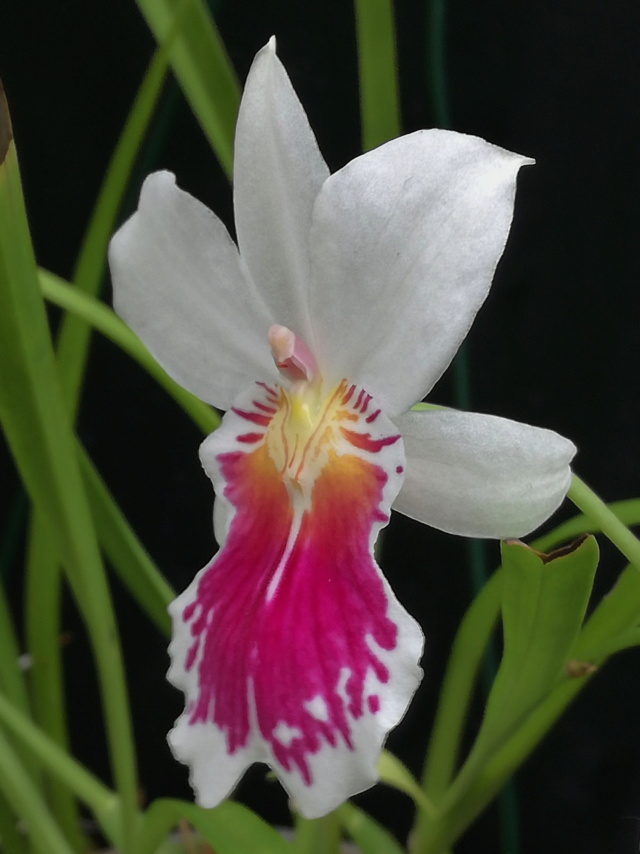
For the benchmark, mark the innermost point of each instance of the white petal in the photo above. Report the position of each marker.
(180, 285)
(479, 475)
(278, 171)
(404, 244)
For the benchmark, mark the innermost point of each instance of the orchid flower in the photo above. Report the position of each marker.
(343, 303)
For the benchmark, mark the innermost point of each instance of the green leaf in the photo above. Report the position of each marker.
(378, 72)
(27, 802)
(395, 774)
(369, 836)
(466, 656)
(37, 430)
(90, 266)
(203, 70)
(229, 828)
(102, 801)
(317, 835)
(126, 554)
(43, 584)
(13, 838)
(544, 600)
(616, 615)
(11, 675)
(44, 576)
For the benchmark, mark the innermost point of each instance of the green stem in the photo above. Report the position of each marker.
(628, 512)
(13, 839)
(317, 836)
(12, 683)
(378, 72)
(437, 63)
(88, 788)
(202, 68)
(43, 629)
(475, 631)
(612, 626)
(89, 269)
(43, 583)
(25, 799)
(460, 808)
(37, 430)
(604, 520)
(465, 660)
(127, 556)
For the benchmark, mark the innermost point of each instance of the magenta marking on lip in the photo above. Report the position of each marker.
(254, 417)
(250, 438)
(365, 442)
(373, 702)
(348, 395)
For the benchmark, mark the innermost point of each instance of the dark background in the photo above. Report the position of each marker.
(555, 345)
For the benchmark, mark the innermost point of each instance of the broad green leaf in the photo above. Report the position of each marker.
(461, 801)
(544, 600)
(378, 72)
(369, 836)
(203, 70)
(229, 828)
(613, 621)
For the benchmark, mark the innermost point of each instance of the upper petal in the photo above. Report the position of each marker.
(480, 475)
(180, 285)
(404, 244)
(278, 171)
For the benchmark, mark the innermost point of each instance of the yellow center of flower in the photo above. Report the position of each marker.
(298, 432)
(301, 431)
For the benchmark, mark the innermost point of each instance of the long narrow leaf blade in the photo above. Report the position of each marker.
(201, 65)
(378, 70)
(126, 554)
(37, 430)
